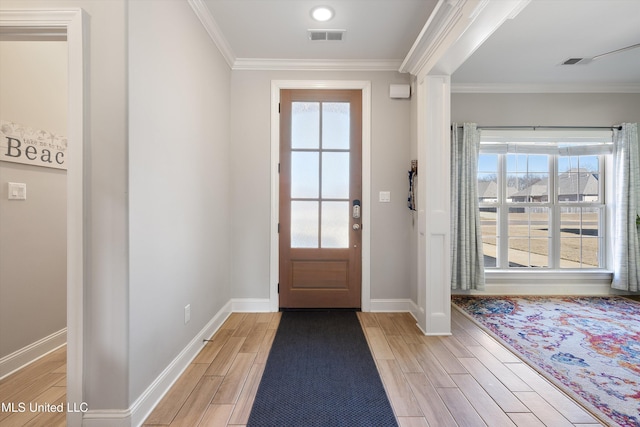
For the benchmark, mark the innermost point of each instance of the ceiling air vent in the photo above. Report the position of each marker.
(583, 61)
(326, 35)
(572, 61)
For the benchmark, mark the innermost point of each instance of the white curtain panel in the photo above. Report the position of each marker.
(467, 260)
(626, 251)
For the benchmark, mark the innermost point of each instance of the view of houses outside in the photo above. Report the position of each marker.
(530, 208)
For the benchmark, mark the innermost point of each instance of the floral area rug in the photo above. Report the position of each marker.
(588, 346)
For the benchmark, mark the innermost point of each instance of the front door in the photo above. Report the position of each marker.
(320, 194)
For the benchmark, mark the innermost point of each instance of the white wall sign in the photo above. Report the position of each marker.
(21, 144)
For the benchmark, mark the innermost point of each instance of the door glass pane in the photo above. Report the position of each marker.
(305, 174)
(335, 175)
(305, 125)
(335, 224)
(335, 125)
(304, 224)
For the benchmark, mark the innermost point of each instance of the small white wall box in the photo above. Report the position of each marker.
(402, 91)
(17, 191)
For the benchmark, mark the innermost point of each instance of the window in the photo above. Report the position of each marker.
(542, 202)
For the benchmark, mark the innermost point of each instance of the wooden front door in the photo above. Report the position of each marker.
(320, 194)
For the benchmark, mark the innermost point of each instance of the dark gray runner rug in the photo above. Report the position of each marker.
(320, 372)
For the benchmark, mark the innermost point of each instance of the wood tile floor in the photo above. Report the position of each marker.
(467, 379)
(45, 381)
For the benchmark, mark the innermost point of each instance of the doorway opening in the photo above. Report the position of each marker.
(70, 23)
(320, 198)
(364, 90)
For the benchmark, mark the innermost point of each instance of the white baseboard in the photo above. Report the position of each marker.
(397, 305)
(543, 289)
(250, 305)
(107, 418)
(391, 305)
(29, 354)
(142, 407)
(263, 305)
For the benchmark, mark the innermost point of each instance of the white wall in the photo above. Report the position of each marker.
(250, 172)
(179, 87)
(33, 92)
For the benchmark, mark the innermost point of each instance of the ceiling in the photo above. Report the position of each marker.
(525, 50)
(378, 32)
(529, 49)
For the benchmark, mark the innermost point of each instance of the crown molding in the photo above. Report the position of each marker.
(543, 88)
(258, 64)
(211, 26)
(440, 23)
(455, 29)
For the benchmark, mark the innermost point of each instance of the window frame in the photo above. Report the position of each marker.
(593, 144)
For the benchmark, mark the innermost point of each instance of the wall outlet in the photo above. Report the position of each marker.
(187, 313)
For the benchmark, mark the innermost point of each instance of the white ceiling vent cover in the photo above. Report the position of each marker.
(326, 35)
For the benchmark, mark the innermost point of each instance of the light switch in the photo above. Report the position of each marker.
(17, 191)
(385, 196)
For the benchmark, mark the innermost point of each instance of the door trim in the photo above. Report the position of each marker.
(365, 86)
(72, 22)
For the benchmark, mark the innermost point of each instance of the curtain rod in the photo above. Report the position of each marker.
(550, 127)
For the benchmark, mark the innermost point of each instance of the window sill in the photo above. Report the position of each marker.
(548, 282)
(546, 275)
(548, 272)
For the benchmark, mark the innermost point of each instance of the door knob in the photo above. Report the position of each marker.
(356, 226)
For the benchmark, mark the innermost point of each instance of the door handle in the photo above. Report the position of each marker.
(356, 227)
(356, 209)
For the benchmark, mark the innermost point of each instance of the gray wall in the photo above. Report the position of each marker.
(551, 109)
(33, 270)
(179, 223)
(157, 182)
(250, 181)
(177, 188)
(106, 284)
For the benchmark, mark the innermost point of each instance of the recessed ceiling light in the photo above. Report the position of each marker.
(322, 13)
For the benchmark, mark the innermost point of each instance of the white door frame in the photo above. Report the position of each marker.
(365, 86)
(73, 21)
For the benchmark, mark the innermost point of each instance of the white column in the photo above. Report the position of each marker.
(434, 207)
(454, 31)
